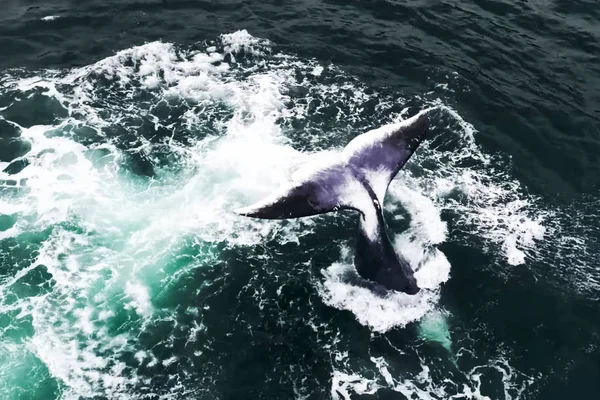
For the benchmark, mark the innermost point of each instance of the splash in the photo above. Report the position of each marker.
(125, 188)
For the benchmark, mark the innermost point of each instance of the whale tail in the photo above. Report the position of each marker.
(315, 188)
(356, 179)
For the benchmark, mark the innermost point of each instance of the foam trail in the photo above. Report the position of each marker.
(130, 190)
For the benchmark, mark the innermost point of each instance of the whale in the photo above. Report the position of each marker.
(357, 179)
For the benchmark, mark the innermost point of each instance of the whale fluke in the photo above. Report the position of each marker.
(355, 179)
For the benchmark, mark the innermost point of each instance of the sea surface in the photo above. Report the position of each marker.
(130, 130)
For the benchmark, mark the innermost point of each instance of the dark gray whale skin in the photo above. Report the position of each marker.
(357, 180)
(376, 259)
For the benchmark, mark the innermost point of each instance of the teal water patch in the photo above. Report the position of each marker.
(8, 130)
(16, 166)
(25, 376)
(7, 221)
(12, 148)
(434, 327)
(22, 283)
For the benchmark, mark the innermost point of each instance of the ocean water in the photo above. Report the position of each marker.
(129, 130)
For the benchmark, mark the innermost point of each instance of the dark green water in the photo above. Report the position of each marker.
(129, 130)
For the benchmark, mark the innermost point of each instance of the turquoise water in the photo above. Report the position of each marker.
(125, 275)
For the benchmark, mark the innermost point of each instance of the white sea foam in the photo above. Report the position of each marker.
(140, 298)
(424, 386)
(142, 222)
(396, 309)
(379, 313)
(127, 226)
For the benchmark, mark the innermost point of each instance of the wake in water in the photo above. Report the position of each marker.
(126, 275)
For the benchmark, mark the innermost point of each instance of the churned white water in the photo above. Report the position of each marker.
(108, 235)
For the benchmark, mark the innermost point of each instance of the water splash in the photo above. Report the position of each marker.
(128, 189)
